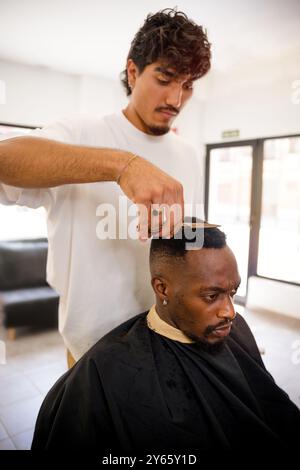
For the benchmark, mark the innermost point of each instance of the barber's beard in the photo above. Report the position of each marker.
(156, 130)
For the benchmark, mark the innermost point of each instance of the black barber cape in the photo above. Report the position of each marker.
(137, 390)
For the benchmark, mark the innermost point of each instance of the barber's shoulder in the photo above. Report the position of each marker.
(65, 130)
(75, 129)
(78, 130)
(98, 131)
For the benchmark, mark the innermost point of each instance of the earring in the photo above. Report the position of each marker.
(165, 302)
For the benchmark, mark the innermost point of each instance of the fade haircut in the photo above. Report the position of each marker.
(175, 248)
(176, 41)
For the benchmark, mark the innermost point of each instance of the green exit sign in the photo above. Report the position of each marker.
(233, 133)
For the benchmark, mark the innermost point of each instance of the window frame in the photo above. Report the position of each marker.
(256, 199)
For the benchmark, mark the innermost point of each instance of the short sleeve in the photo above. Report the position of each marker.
(67, 131)
(33, 198)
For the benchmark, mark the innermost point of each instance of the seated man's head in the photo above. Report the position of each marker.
(195, 288)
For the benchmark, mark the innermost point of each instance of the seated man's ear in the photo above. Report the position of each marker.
(160, 287)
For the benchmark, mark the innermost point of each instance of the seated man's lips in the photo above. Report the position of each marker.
(222, 331)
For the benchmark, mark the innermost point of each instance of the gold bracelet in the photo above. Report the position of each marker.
(124, 168)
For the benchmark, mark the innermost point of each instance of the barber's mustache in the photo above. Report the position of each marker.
(169, 109)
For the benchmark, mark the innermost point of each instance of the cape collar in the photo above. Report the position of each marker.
(158, 325)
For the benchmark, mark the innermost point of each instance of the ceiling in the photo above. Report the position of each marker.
(93, 36)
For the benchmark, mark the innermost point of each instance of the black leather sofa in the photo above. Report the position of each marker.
(25, 297)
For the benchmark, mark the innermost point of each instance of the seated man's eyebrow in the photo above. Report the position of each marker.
(212, 288)
(218, 289)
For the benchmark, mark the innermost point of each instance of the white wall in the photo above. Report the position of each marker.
(100, 96)
(254, 97)
(273, 296)
(37, 95)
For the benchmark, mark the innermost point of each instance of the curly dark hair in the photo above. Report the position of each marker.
(171, 37)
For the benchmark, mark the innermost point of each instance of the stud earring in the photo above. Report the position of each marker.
(165, 302)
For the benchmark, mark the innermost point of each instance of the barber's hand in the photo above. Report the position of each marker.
(148, 186)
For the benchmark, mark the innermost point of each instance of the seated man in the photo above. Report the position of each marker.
(185, 375)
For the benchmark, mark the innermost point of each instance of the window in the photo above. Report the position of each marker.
(279, 239)
(229, 200)
(253, 191)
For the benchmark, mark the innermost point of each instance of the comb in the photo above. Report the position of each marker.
(203, 224)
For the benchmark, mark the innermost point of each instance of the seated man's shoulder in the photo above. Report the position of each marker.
(241, 329)
(125, 338)
(242, 334)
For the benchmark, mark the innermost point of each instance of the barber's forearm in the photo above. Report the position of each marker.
(33, 162)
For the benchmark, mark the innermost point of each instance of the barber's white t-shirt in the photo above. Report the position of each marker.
(101, 282)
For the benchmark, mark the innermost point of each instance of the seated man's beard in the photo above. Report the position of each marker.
(155, 130)
(205, 345)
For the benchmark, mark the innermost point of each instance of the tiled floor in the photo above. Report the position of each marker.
(36, 359)
(280, 337)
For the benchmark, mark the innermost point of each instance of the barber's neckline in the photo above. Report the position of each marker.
(133, 130)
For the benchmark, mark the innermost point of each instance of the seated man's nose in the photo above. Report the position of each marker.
(227, 311)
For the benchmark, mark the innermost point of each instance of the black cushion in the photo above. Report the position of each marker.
(25, 297)
(36, 306)
(23, 263)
